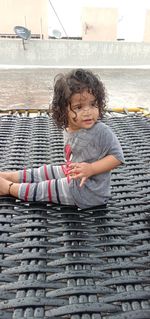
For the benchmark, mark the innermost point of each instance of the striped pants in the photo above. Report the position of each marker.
(48, 183)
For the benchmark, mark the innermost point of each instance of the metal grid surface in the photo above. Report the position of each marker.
(60, 262)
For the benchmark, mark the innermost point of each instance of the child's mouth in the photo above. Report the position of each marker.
(87, 121)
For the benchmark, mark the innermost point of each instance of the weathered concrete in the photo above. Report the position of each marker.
(33, 88)
(69, 53)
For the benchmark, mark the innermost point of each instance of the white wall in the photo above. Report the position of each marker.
(130, 22)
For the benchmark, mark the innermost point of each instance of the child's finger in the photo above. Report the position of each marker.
(74, 170)
(73, 165)
(82, 181)
(76, 175)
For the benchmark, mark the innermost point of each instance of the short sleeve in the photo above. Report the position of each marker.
(110, 145)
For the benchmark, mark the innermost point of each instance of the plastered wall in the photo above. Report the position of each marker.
(74, 53)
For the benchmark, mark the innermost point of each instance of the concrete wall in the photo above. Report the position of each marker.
(99, 24)
(73, 53)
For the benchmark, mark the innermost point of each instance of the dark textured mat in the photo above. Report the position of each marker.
(60, 262)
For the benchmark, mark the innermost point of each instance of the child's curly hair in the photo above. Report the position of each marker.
(73, 82)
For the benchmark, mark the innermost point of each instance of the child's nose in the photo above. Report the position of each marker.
(87, 108)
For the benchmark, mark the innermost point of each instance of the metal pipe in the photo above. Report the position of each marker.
(123, 109)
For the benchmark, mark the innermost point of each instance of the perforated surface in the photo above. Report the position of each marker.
(60, 262)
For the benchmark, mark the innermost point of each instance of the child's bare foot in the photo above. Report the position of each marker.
(10, 176)
(8, 187)
(4, 186)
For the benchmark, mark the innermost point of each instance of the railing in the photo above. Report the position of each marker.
(14, 36)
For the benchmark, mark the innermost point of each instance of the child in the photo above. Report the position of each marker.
(91, 149)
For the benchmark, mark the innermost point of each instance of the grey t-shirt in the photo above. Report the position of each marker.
(90, 145)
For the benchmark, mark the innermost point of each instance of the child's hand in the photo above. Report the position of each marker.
(80, 170)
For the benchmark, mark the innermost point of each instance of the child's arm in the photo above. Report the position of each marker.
(84, 170)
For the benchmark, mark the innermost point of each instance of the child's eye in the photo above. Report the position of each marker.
(94, 104)
(78, 107)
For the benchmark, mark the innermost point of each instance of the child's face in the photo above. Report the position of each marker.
(83, 112)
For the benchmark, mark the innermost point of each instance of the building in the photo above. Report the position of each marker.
(99, 24)
(147, 27)
(32, 14)
(102, 20)
(116, 23)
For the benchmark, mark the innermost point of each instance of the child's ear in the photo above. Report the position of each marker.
(100, 115)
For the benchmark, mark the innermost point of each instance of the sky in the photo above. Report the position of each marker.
(131, 16)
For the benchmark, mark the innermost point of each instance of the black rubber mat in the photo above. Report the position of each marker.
(62, 262)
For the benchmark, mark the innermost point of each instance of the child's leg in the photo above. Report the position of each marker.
(54, 190)
(12, 176)
(42, 173)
